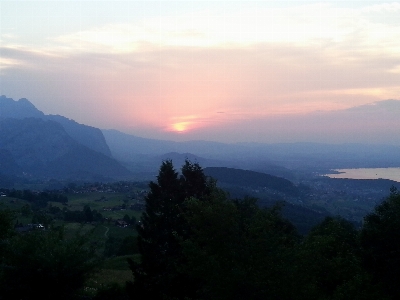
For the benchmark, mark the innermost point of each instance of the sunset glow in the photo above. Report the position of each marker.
(203, 68)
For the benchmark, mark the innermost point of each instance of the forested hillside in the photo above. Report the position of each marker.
(216, 248)
(192, 241)
(253, 179)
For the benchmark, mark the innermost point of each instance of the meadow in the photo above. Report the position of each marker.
(109, 239)
(115, 269)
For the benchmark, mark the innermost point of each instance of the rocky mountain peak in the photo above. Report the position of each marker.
(20, 109)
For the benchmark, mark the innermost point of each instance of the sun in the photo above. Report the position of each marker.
(180, 126)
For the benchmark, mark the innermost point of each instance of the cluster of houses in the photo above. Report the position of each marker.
(116, 187)
(29, 227)
(121, 223)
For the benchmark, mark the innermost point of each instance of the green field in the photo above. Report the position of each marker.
(12, 203)
(115, 269)
(99, 202)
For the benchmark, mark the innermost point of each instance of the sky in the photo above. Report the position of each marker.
(229, 71)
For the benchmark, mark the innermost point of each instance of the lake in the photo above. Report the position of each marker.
(368, 173)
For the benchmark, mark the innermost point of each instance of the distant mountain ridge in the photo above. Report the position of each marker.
(18, 109)
(143, 156)
(86, 135)
(123, 146)
(259, 156)
(44, 149)
(36, 145)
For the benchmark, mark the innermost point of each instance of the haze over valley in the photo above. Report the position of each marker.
(56, 151)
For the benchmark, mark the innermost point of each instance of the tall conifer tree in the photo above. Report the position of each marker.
(162, 225)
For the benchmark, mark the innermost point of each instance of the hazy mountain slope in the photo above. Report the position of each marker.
(8, 166)
(89, 136)
(33, 142)
(83, 163)
(43, 148)
(125, 146)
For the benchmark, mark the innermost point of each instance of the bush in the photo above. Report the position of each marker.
(43, 265)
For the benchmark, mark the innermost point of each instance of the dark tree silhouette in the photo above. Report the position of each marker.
(380, 239)
(161, 227)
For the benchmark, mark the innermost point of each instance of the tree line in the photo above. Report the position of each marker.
(197, 243)
(39, 199)
(43, 264)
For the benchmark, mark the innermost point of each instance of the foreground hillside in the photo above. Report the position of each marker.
(192, 242)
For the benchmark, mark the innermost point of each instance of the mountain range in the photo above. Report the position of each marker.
(278, 159)
(36, 145)
(53, 146)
